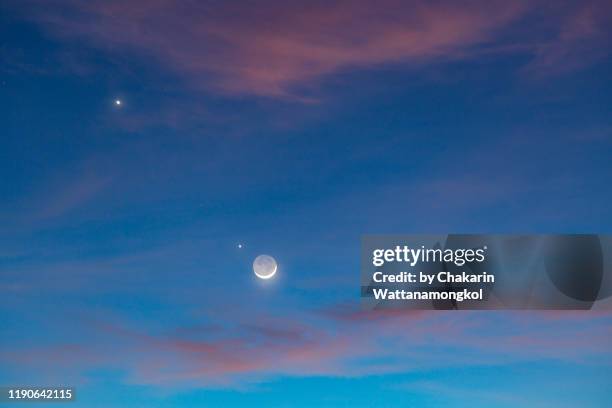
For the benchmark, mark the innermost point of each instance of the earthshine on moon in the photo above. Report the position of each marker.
(264, 266)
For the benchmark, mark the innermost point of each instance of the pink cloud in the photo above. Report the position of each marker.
(332, 345)
(582, 36)
(269, 48)
(278, 48)
(335, 343)
(285, 49)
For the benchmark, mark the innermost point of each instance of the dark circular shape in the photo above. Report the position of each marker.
(574, 264)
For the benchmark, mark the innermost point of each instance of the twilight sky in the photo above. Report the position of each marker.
(292, 128)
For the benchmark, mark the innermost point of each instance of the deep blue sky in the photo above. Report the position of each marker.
(292, 129)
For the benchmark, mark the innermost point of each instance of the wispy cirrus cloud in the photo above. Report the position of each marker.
(64, 192)
(337, 342)
(267, 48)
(271, 49)
(581, 38)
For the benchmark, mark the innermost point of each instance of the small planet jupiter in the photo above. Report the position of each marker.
(264, 266)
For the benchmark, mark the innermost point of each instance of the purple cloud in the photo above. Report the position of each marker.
(273, 50)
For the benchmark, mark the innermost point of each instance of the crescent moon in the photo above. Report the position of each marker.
(264, 266)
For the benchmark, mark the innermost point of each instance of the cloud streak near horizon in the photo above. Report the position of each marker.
(341, 341)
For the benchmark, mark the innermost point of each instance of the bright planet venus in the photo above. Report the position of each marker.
(264, 266)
